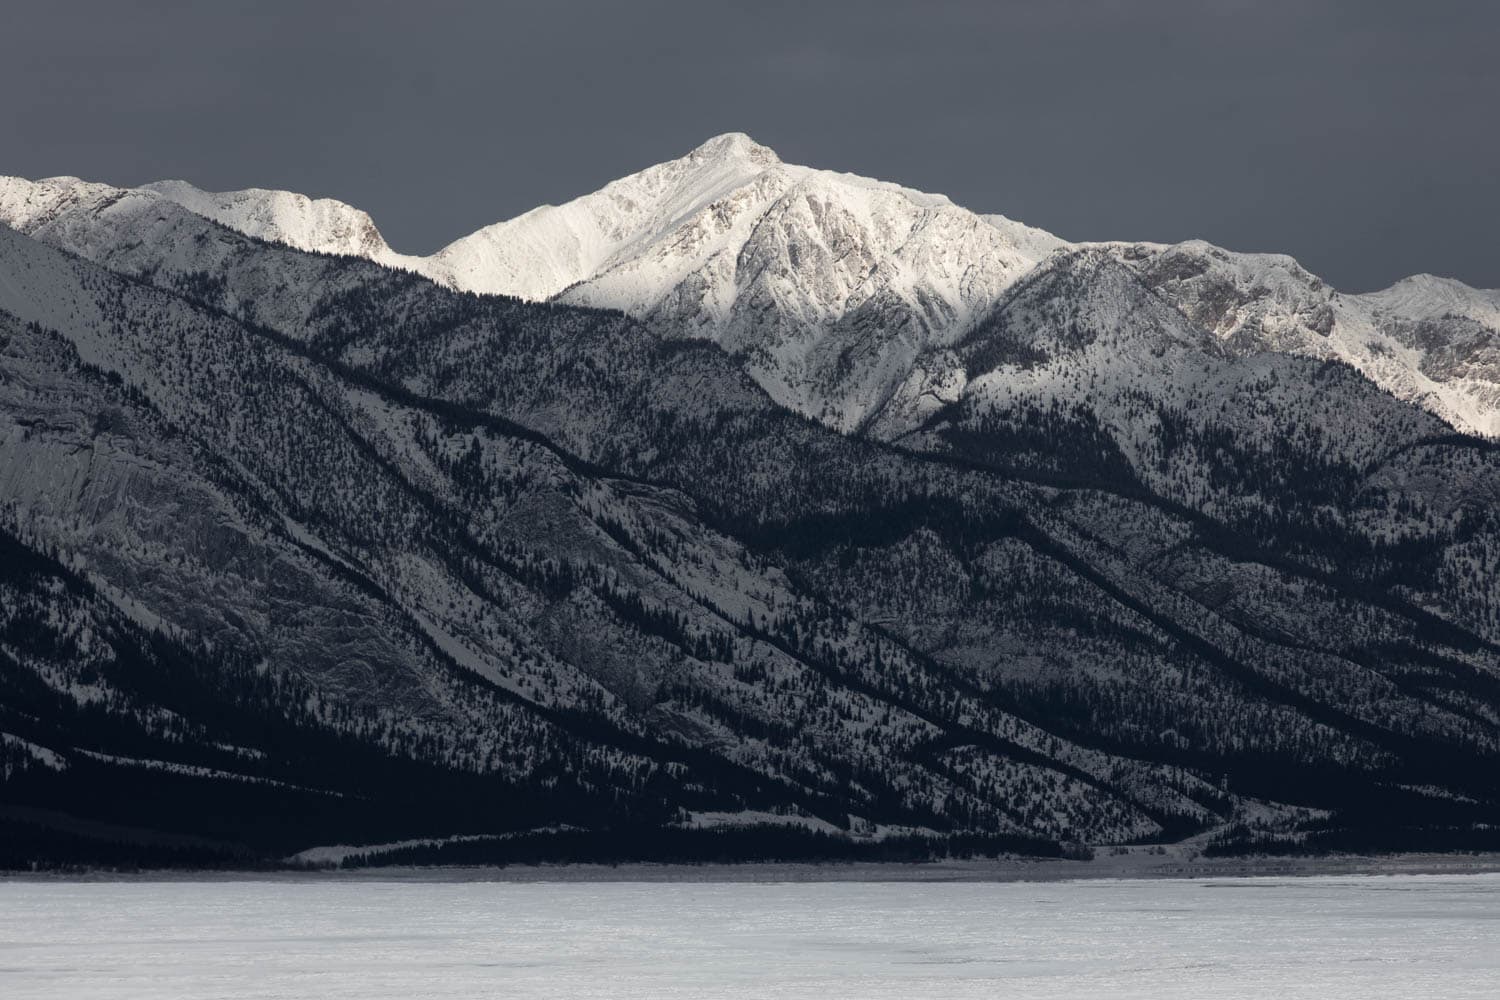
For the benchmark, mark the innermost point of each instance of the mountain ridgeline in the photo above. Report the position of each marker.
(739, 511)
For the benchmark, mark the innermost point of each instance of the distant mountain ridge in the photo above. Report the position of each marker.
(833, 286)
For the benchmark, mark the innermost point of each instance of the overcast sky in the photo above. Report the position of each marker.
(1362, 137)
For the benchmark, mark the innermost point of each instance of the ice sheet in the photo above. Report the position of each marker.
(1381, 936)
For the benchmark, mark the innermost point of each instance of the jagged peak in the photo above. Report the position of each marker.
(735, 146)
(26, 203)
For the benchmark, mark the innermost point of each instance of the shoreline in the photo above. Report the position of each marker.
(1130, 864)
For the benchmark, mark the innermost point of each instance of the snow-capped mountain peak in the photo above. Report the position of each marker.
(1428, 296)
(737, 146)
(320, 224)
(829, 283)
(539, 254)
(25, 204)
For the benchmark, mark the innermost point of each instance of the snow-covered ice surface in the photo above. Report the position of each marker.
(1359, 936)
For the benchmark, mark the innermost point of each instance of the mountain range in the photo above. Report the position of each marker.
(837, 288)
(738, 510)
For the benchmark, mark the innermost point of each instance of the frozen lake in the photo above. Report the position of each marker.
(1356, 936)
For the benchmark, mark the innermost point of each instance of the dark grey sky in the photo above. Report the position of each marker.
(1361, 136)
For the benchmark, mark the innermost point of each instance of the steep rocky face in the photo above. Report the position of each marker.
(26, 205)
(1454, 331)
(1078, 331)
(1426, 340)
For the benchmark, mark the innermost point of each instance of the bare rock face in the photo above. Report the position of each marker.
(1425, 340)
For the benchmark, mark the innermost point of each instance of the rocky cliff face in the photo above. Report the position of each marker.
(1426, 340)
